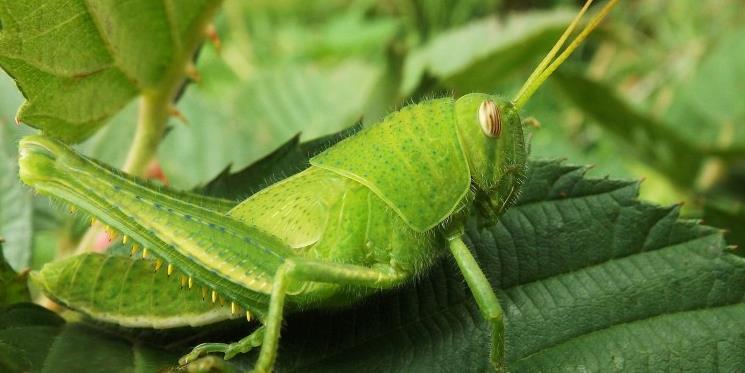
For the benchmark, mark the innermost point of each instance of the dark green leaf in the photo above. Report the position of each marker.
(589, 277)
(26, 335)
(13, 288)
(586, 269)
(729, 214)
(580, 262)
(35, 339)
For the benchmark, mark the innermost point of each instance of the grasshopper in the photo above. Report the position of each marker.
(368, 214)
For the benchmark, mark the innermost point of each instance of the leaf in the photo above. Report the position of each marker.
(652, 141)
(727, 213)
(13, 287)
(63, 54)
(591, 277)
(16, 207)
(428, 18)
(35, 339)
(479, 55)
(268, 33)
(346, 35)
(587, 271)
(23, 216)
(290, 158)
(708, 108)
(254, 117)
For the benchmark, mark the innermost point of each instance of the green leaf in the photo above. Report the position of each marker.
(652, 141)
(587, 271)
(727, 213)
(590, 277)
(709, 108)
(35, 339)
(347, 35)
(13, 288)
(64, 54)
(16, 201)
(23, 216)
(289, 159)
(427, 18)
(251, 118)
(478, 56)
(268, 34)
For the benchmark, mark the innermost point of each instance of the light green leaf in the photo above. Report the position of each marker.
(16, 207)
(709, 111)
(269, 33)
(290, 158)
(653, 142)
(16, 212)
(250, 119)
(348, 35)
(479, 55)
(65, 54)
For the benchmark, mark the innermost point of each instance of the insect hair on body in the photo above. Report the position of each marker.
(370, 213)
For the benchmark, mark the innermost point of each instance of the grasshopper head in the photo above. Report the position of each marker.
(492, 136)
(490, 127)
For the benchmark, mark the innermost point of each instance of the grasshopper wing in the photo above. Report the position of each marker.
(296, 209)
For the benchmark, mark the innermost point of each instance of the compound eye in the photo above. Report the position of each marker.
(490, 118)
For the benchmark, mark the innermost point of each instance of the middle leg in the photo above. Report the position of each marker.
(300, 269)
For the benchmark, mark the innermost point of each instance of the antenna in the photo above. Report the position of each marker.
(548, 65)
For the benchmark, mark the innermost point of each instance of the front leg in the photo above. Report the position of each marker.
(485, 298)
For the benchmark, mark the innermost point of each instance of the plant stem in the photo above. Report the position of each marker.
(155, 104)
(151, 124)
(155, 108)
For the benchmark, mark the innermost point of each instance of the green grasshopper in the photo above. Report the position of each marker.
(370, 213)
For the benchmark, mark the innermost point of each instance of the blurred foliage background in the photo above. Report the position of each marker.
(657, 94)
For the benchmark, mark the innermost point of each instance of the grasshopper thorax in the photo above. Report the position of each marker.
(492, 137)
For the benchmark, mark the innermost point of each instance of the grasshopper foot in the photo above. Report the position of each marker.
(229, 349)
